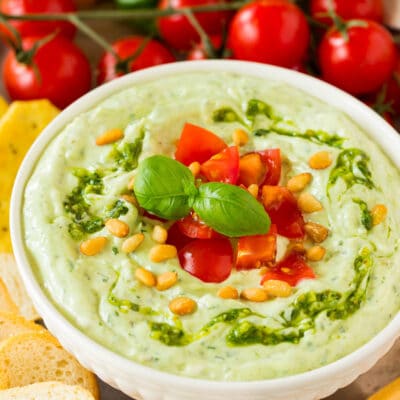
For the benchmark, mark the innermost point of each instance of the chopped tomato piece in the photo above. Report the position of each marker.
(282, 208)
(255, 250)
(292, 269)
(177, 238)
(272, 159)
(210, 260)
(222, 167)
(197, 144)
(252, 169)
(193, 227)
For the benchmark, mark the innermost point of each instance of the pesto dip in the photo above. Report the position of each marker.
(76, 186)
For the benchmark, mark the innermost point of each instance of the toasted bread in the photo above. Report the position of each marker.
(13, 324)
(6, 302)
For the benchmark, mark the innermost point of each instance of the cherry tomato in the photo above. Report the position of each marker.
(272, 159)
(353, 9)
(292, 269)
(255, 250)
(282, 208)
(209, 260)
(177, 238)
(222, 167)
(38, 28)
(179, 33)
(252, 169)
(153, 53)
(269, 31)
(361, 62)
(392, 95)
(197, 144)
(198, 51)
(192, 226)
(61, 73)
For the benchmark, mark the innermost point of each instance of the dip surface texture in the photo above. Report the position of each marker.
(353, 297)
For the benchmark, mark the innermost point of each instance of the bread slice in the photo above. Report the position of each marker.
(12, 324)
(10, 276)
(46, 391)
(38, 357)
(6, 302)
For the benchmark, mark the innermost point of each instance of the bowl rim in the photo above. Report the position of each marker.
(374, 126)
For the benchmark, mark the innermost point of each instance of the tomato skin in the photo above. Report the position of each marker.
(38, 28)
(272, 159)
(178, 32)
(177, 238)
(269, 31)
(154, 53)
(197, 144)
(360, 64)
(222, 167)
(255, 250)
(210, 260)
(198, 52)
(193, 227)
(292, 269)
(64, 70)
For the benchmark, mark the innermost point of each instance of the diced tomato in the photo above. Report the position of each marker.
(222, 167)
(252, 169)
(177, 238)
(292, 269)
(197, 144)
(282, 208)
(153, 217)
(193, 227)
(255, 250)
(272, 159)
(210, 260)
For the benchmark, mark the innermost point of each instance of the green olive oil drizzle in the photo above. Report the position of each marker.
(366, 217)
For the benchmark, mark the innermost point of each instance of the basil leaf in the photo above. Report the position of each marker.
(230, 210)
(164, 187)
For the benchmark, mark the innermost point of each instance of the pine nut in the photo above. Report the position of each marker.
(297, 247)
(132, 243)
(277, 288)
(308, 203)
(317, 233)
(93, 246)
(378, 213)
(228, 292)
(117, 227)
(131, 183)
(146, 277)
(130, 199)
(166, 280)
(299, 182)
(254, 294)
(182, 306)
(320, 160)
(162, 252)
(110, 136)
(194, 168)
(253, 190)
(159, 234)
(240, 137)
(315, 253)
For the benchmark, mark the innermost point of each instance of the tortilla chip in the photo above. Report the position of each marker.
(3, 106)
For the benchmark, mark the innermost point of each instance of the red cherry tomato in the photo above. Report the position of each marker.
(192, 226)
(252, 169)
(61, 73)
(38, 28)
(153, 53)
(269, 31)
(282, 208)
(347, 9)
(272, 159)
(392, 96)
(209, 260)
(177, 238)
(292, 269)
(222, 167)
(197, 144)
(255, 250)
(198, 51)
(360, 63)
(179, 33)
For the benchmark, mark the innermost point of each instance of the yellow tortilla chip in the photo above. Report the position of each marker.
(19, 127)
(3, 106)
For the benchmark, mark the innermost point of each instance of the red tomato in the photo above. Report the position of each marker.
(222, 167)
(282, 208)
(197, 144)
(272, 159)
(253, 251)
(209, 260)
(153, 53)
(292, 269)
(177, 238)
(61, 73)
(193, 227)
(392, 95)
(179, 33)
(199, 53)
(360, 63)
(38, 28)
(269, 31)
(252, 169)
(347, 9)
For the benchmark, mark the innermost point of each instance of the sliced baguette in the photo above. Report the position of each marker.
(38, 357)
(46, 391)
(6, 302)
(13, 324)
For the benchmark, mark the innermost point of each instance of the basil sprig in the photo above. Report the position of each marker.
(166, 188)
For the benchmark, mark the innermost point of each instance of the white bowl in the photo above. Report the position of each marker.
(144, 383)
